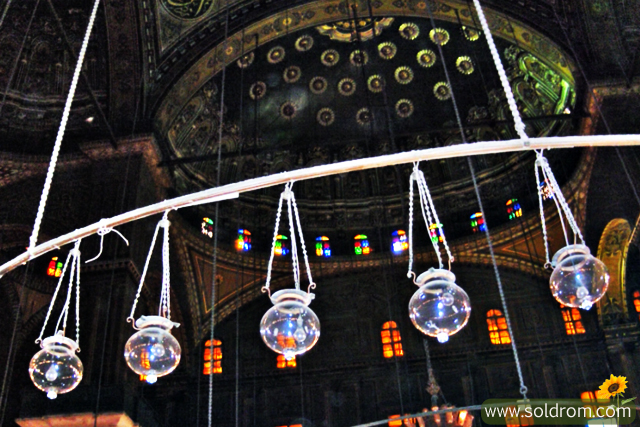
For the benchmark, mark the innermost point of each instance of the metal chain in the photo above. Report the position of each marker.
(144, 274)
(75, 273)
(63, 124)
(426, 215)
(437, 220)
(53, 298)
(102, 231)
(542, 219)
(165, 299)
(78, 300)
(294, 244)
(312, 285)
(563, 202)
(555, 201)
(518, 124)
(503, 299)
(410, 272)
(266, 288)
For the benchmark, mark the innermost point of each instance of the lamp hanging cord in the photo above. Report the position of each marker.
(164, 309)
(312, 285)
(62, 320)
(518, 123)
(102, 232)
(503, 300)
(63, 124)
(144, 270)
(266, 288)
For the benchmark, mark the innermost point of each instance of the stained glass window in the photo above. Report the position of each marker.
(282, 245)
(399, 242)
(547, 192)
(497, 325)
(477, 222)
(394, 421)
(513, 209)
(435, 232)
(207, 227)
(361, 245)
(212, 364)
(391, 340)
(636, 302)
(55, 267)
(283, 363)
(323, 248)
(572, 320)
(243, 242)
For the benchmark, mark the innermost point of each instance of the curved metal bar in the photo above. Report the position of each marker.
(232, 191)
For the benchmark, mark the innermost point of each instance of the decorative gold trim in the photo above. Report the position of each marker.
(612, 251)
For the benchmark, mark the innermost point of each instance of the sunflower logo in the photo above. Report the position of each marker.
(612, 387)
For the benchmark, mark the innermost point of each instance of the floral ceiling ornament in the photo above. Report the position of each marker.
(349, 31)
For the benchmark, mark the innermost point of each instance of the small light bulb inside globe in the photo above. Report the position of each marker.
(56, 369)
(439, 308)
(579, 279)
(153, 351)
(290, 327)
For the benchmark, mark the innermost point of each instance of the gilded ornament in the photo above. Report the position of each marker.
(442, 91)
(347, 87)
(387, 50)
(246, 60)
(347, 32)
(464, 65)
(375, 83)
(409, 31)
(470, 34)
(404, 108)
(326, 116)
(187, 9)
(403, 75)
(363, 116)
(288, 110)
(426, 58)
(304, 43)
(257, 90)
(292, 74)
(275, 55)
(439, 36)
(358, 58)
(330, 57)
(318, 85)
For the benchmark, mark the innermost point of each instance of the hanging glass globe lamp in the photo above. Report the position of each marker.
(439, 308)
(153, 351)
(56, 369)
(290, 327)
(579, 279)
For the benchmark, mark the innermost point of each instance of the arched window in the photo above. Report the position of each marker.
(243, 242)
(435, 232)
(323, 248)
(589, 397)
(636, 302)
(497, 325)
(391, 340)
(572, 320)
(281, 248)
(399, 242)
(361, 245)
(477, 222)
(513, 209)
(212, 364)
(55, 267)
(545, 189)
(207, 227)
(284, 363)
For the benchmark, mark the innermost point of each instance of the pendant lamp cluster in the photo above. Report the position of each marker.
(290, 327)
(578, 279)
(439, 308)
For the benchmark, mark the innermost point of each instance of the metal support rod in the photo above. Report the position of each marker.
(85, 79)
(231, 191)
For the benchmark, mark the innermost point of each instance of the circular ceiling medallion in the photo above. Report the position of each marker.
(246, 60)
(330, 57)
(288, 110)
(275, 55)
(409, 31)
(426, 58)
(187, 10)
(470, 34)
(375, 83)
(403, 75)
(439, 36)
(359, 58)
(387, 50)
(257, 90)
(404, 108)
(364, 116)
(442, 91)
(347, 87)
(318, 85)
(464, 65)
(325, 116)
(292, 74)
(304, 43)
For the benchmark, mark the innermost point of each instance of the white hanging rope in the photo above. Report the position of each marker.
(61, 324)
(294, 222)
(131, 319)
(428, 209)
(518, 123)
(61, 129)
(102, 232)
(561, 205)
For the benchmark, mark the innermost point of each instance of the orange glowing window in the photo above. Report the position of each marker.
(520, 420)
(283, 363)
(572, 320)
(636, 301)
(394, 422)
(391, 340)
(212, 365)
(589, 397)
(497, 325)
(55, 267)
